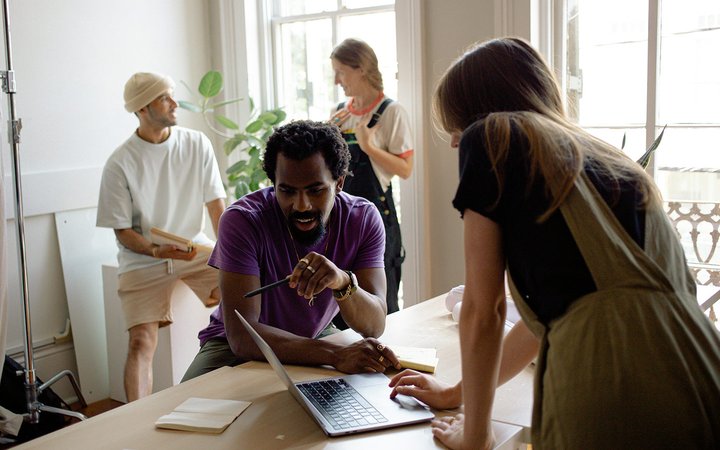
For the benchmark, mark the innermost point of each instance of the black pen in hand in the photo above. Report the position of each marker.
(267, 286)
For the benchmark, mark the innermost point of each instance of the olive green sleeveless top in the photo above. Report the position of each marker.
(635, 364)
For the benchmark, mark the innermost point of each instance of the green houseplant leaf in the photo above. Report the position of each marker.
(227, 123)
(211, 84)
(245, 175)
(189, 106)
(645, 158)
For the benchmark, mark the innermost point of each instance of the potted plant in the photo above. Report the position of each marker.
(246, 175)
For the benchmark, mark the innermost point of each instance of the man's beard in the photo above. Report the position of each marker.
(310, 237)
(165, 121)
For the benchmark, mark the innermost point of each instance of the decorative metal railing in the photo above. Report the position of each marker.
(698, 226)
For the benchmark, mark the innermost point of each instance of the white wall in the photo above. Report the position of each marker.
(71, 59)
(449, 28)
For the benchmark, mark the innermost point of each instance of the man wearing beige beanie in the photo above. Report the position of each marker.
(160, 177)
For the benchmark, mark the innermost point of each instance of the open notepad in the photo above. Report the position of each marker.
(418, 358)
(162, 237)
(203, 415)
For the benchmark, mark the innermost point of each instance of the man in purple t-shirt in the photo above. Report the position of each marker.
(330, 245)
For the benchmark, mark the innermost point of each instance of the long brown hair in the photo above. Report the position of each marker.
(359, 55)
(507, 83)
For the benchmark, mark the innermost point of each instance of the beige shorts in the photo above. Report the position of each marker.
(145, 293)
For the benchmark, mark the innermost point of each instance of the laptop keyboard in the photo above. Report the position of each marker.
(340, 404)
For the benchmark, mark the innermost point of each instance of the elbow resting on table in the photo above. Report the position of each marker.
(374, 332)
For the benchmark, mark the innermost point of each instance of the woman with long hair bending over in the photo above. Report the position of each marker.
(626, 358)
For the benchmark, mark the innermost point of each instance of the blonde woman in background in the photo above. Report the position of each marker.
(378, 134)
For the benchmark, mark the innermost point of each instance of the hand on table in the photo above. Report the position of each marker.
(426, 388)
(450, 430)
(367, 355)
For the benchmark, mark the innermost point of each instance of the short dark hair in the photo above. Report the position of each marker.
(301, 139)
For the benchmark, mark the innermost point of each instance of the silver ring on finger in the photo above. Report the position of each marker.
(310, 268)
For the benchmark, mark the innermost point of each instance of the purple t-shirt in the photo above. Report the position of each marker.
(254, 239)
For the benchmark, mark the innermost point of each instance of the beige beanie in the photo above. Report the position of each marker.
(144, 87)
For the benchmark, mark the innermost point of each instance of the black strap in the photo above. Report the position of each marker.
(376, 115)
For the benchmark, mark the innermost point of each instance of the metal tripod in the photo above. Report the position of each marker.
(32, 390)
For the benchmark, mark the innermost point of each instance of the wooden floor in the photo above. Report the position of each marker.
(96, 408)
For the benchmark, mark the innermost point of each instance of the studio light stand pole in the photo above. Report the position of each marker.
(32, 390)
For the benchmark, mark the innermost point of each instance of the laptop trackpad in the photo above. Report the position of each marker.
(374, 387)
(367, 379)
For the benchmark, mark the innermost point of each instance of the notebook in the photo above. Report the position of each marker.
(162, 237)
(348, 404)
(202, 414)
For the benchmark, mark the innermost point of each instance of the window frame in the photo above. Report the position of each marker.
(250, 41)
(551, 15)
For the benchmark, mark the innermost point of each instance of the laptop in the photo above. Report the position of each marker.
(349, 404)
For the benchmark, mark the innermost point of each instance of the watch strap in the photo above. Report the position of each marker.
(343, 294)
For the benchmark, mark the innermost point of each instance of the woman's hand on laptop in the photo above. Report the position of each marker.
(426, 388)
(367, 355)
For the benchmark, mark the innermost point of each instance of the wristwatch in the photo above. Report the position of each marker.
(344, 294)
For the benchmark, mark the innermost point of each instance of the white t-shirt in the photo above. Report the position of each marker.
(164, 185)
(393, 133)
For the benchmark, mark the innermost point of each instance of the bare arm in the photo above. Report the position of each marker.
(215, 209)
(289, 348)
(366, 309)
(361, 356)
(390, 162)
(481, 324)
(481, 330)
(520, 346)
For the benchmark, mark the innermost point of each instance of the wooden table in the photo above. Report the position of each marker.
(276, 421)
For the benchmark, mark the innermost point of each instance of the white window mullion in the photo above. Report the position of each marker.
(652, 75)
(263, 91)
(416, 269)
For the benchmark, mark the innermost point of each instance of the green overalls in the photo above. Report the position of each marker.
(635, 364)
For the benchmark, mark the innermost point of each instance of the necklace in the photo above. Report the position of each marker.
(311, 302)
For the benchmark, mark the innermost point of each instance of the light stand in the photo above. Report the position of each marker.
(32, 390)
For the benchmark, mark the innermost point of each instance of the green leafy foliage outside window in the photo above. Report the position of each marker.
(246, 175)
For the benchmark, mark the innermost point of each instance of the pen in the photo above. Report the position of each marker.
(267, 286)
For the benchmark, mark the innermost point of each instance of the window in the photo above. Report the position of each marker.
(304, 34)
(633, 67)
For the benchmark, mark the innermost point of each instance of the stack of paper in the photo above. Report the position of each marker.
(202, 414)
(418, 358)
